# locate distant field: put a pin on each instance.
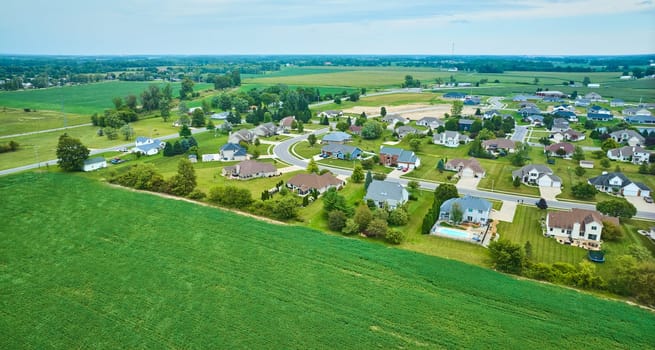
(80, 99)
(108, 268)
(16, 121)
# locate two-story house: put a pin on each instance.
(389, 193)
(391, 156)
(578, 225)
(450, 139)
(617, 183)
(537, 174)
(629, 137)
(474, 210)
(634, 154)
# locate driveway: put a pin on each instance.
(519, 133)
(549, 193)
(470, 183)
(506, 212)
(640, 203)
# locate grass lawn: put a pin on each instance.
(81, 99)
(152, 272)
(304, 150)
(17, 121)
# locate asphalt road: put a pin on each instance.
(519, 133)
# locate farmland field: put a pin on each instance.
(17, 121)
(86, 265)
(81, 99)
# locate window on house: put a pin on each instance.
(593, 228)
(592, 237)
(551, 229)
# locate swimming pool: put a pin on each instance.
(446, 231)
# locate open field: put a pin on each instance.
(17, 121)
(122, 269)
(81, 99)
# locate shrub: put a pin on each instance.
(394, 236)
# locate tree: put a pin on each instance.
(71, 153)
(142, 177)
(415, 144)
(118, 102)
(383, 111)
(130, 102)
(111, 133)
(371, 130)
(394, 236)
(358, 174)
(186, 89)
(337, 100)
(506, 256)
(578, 154)
(225, 102)
(230, 196)
(312, 167)
(609, 144)
(586, 81)
(165, 109)
(332, 200)
(369, 179)
(441, 166)
(456, 109)
(452, 124)
(363, 216)
(342, 126)
(536, 81)
(605, 163)
(611, 232)
(376, 228)
(210, 125)
(336, 220)
(127, 131)
(583, 191)
(183, 183)
(398, 217)
(456, 214)
(197, 118)
(579, 171)
(185, 131)
(516, 182)
(620, 208)
(168, 150)
(541, 204)
(311, 139)
(527, 248)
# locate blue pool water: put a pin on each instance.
(452, 232)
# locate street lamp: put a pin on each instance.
(492, 184)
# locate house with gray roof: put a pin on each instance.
(526, 111)
(560, 125)
(629, 137)
(497, 145)
(617, 102)
(393, 119)
(392, 156)
(92, 164)
(634, 154)
(450, 139)
(389, 193)
(618, 183)
(640, 119)
(242, 135)
(339, 151)
(430, 122)
(405, 130)
(474, 210)
(232, 151)
(465, 124)
(147, 146)
(250, 169)
(582, 102)
(265, 130)
(537, 175)
(465, 168)
(338, 137)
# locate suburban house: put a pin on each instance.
(465, 124)
(568, 115)
(265, 130)
(471, 100)
(536, 174)
(286, 123)
(92, 164)
(250, 169)
(563, 107)
(455, 95)
(581, 226)
(526, 111)
(331, 114)
(497, 145)
(599, 113)
(450, 139)
(393, 119)
(391, 156)
(560, 125)
(465, 168)
(634, 154)
(242, 135)
(305, 183)
(519, 98)
(618, 183)
(568, 135)
(405, 130)
(232, 151)
(430, 122)
(561, 149)
(550, 93)
(490, 114)
(339, 151)
(534, 120)
(593, 96)
(474, 210)
(617, 102)
(582, 102)
(640, 119)
(391, 194)
(632, 111)
(337, 137)
(147, 146)
(629, 137)
(355, 130)
(219, 116)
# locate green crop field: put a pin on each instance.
(80, 99)
(17, 121)
(86, 265)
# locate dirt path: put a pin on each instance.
(168, 196)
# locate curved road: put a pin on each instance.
(282, 152)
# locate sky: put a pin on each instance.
(432, 27)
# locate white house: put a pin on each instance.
(629, 137)
(635, 154)
(474, 210)
(578, 225)
(536, 174)
(94, 164)
(450, 139)
(233, 151)
(147, 146)
(465, 168)
(430, 122)
(618, 183)
(389, 193)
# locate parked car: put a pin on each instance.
(400, 167)
(648, 199)
(405, 169)
(116, 161)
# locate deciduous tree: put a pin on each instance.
(71, 153)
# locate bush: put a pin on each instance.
(197, 195)
(336, 220)
(394, 236)
(398, 217)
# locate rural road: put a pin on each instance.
(282, 152)
(44, 131)
(93, 151)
